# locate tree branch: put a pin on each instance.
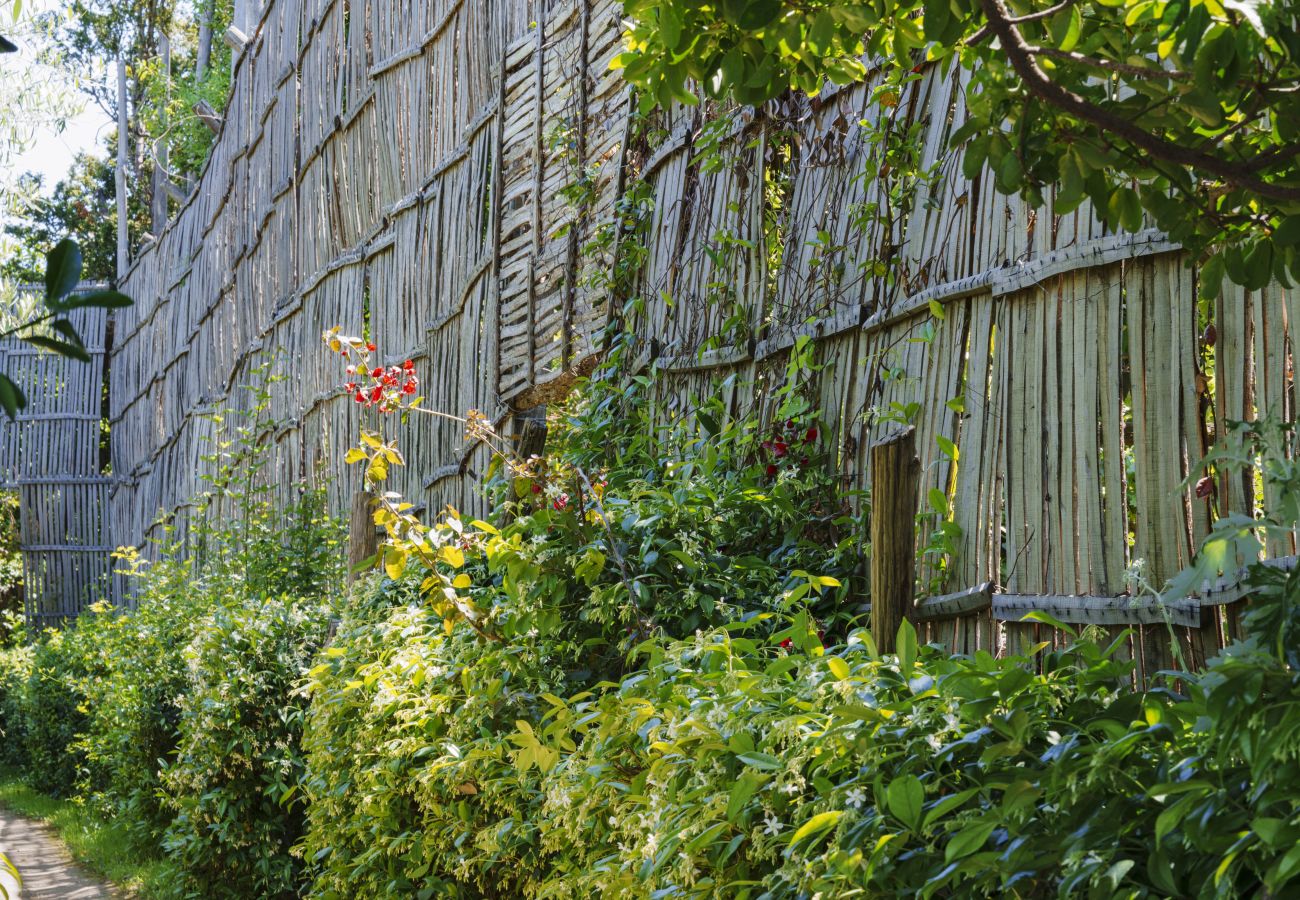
(1106, 65)
(1020, 55)
(1043, 14)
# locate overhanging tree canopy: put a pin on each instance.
(1187, 109)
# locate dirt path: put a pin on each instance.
(48, 871)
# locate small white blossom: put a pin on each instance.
(773, 824)
(856, 797)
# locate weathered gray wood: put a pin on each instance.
(895, 479)
(1097, 610)
(208, 116)
(951, 606)
(363, 541)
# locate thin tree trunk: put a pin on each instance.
(161, 173)
(120, 175)
(205, 42)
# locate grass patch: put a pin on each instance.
(103, 848)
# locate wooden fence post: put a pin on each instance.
(363, 542)
(895, 481)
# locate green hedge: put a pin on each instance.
(664, 696)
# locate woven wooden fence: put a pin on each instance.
(448, 173)
(51, 456)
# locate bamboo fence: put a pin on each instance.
(50, 454)
(448, 173)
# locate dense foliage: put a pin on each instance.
(727, 729)
(1160, 107)
(181, 719)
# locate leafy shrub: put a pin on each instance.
(15, 669)
(178, 719)
(748, 759)
(230, 786)
(134, 709)
(53, 709)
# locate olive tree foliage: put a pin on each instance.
(33, 97)
(1187, 110)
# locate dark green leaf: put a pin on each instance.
(62, 271)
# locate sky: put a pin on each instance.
(52, 152)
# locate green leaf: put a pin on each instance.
(758, 14)
(968, 840)
(946, 805)
(907, 648)
(98, 299)
(746, 786)
(759, 760)
(1284, 870)
(816, 825)
(904, 797)
(62, 271)
(1287, 233)
(63, 348)
(839, 668)
(12, 398)
(1047, 619)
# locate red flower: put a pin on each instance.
(561, 502)
(810, 435)
(789, 424)
(371, 347)
(359, 398)
(408, 366)
(779, 448)
(916, 70)
(537, 488)
(377, 394)
(785, 644)
(409, 387)
(376, 373)
(804, 462)
(771, 470)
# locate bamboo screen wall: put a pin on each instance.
(416, 162)
(51, 456)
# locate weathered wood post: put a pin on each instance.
(529, 435)
(363, 542)
(895, 481)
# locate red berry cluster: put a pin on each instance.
(781, 446)
(384, 387)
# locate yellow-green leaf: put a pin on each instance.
(452, 556)
(816, 825)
